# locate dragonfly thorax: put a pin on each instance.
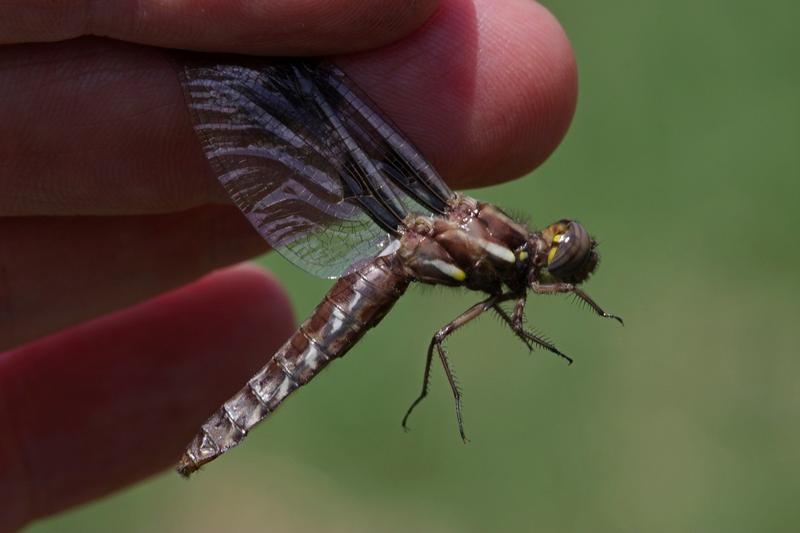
(479, 247)
(476, 245)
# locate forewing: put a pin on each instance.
(271, 150)
(415, 181)
(322, 177)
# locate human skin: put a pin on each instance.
(123, 322)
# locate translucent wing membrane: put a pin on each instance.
(322, 177)
(391, 153)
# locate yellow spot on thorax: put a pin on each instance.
(459, 275)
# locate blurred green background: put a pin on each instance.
(684, 159)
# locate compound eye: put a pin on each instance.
(572, 253)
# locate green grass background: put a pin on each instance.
(684, 160)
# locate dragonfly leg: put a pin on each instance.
(557, 288)
(437, 342)
(425, 384)
(515, 322)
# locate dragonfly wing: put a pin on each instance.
(271, 150)
(396, 157)
(322, 177)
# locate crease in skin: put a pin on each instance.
(304, 27)
(141, 256)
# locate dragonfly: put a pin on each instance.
(334, 187)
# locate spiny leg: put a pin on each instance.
(425, 384)
(519, 310)
(509, 321)
(530, 339)
(556, 288)
(453, 386)
(437, 340)
(596, 308)
(517, 325)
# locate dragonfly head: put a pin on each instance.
(571, 252)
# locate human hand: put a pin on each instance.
(107, 206)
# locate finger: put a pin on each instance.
(491, 96)
(68, 269)
(95, 127)
(107, 403)
(306, 27)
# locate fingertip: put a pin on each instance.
(250, 284)
(486, 89)
(111, 401)
(253, 293)
(538, 96)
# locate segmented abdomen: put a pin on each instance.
(354, 304)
